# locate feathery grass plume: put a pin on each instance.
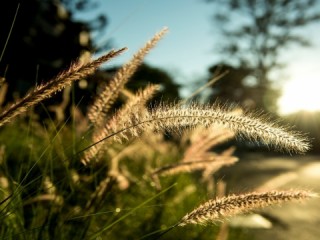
(138, 101)
(75, 72)
(181, 167)
(221, 208)
(174, 118)
(97, 112)
(220, 192)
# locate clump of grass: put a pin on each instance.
(89, 186)
(97, 112)
(138, 100)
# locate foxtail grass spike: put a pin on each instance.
(75, 72)
(102, 104)
(174, 118)
(219, 209)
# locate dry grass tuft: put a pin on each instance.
(211, 125)
(137, 101)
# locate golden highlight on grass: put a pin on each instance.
(75, 72)
(138, 101)
(203, 140)
(222, 208)
(174, 118)
(181, 167)
(97, 112)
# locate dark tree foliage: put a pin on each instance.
(96, 23)
(44, 40)
(231, 82)
(147, 74)
(239, 86)
(255, 34)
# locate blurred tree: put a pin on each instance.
(96, 23)
(238, 86)
(147, 74)
(45, 38)
(255, 32)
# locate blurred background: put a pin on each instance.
(269, 48)
(267, 54)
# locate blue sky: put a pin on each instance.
(188, 49)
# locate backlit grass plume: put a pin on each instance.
(75, 72)
(97, 112)
(137, 101)
(176, 117)
(222, 208)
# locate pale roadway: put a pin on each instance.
(298, 220)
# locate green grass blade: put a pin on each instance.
(130, 212)
(10, 31)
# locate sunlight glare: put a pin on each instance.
(302, 92)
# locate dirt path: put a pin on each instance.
(290, 221)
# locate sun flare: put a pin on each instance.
(302, 92)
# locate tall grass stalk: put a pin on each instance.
(173, 118)
(94, 236)
(97, 112)
(222, 208)
(75, 72)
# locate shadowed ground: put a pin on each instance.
(292, 220)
